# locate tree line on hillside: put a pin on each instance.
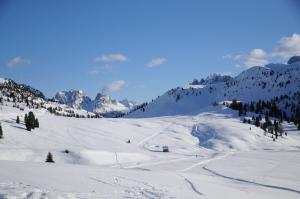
(268, 109)
(283, 107)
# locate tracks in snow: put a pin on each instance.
(191, 185)
(251, 182)
(215, 156)
(145, 140)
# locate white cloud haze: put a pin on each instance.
(17, 61)
(286, 48)
(257, 57)
(111, 58)
(101, 70)
(114, 86)
(156, 62)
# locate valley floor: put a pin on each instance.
(212, 155)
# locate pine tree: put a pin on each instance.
(264, 126)
(31, 119)
(27, 123)
(257, 122)
(1, 132)
(18, 120)
(49, 158)
(240, 112)
(25, 118)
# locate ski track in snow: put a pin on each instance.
(145, 140)
(191, 185)
(215, 156)
(251, 182)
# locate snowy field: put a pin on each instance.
(212, 155)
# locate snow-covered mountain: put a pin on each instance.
(253, 84)
(105, 104)
(22, 96)
(74, 98)
(21, 92)
(70, 102)
(102, 104)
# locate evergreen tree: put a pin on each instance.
(49, 158)
(31, 119)
(257, 122)
(1, 132)
(18, 120)
(27, 123)
(251, 107)
(240, 112)
(276, 127)
(264, 126)
(25, 118)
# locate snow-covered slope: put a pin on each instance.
(207, 151)
(256, 83)
(102, 104)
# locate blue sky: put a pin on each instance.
(138, 49)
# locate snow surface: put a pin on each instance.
(212, 155)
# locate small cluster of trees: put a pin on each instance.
(139, 107)
(260, 107)
(30, 121)
(58, 111)
(275, 128)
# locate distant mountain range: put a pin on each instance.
(102, 104)
(75, 99)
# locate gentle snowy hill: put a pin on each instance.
(256, 83)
